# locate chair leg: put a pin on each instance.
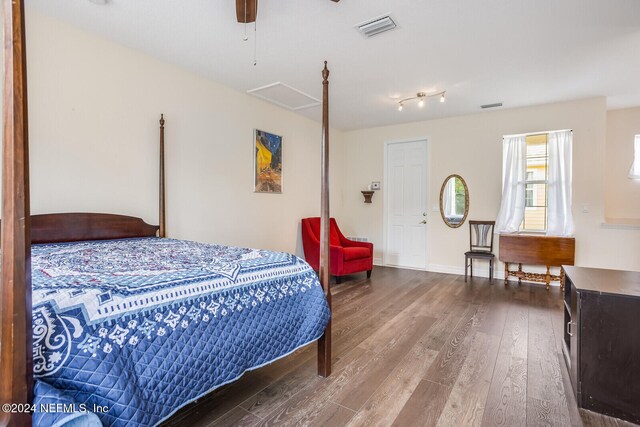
(369, 274)
(490, 270)
(471, 265)
(466, 265)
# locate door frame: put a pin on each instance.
(385, 198)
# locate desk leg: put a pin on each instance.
(506, 273)
(519, 274)
(547, 279)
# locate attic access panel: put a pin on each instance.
(285, 96)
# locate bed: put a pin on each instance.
(105, 320)
(144, 326)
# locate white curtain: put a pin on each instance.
(559, 216)
(634, 172)
(513, 198)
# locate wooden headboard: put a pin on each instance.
(77, 226)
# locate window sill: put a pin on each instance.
(621, 224)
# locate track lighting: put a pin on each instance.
(420, 96)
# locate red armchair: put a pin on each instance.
(346, 256)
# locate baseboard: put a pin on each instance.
(447, 269)
(454, 269)
(498, 273)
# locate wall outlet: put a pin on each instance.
(585, 208)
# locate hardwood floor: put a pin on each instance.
(415, 348)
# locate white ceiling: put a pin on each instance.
(519, 52)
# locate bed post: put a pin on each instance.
(163, 225)
(16, 356)
(324, 343)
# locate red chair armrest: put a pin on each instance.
(336, 257)
(336, 250)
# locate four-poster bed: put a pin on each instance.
(111, 297)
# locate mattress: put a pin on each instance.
(126, 332)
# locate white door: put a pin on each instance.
(406, 210)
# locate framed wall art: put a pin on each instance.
(267, 162)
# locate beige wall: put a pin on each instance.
(622, 193)
(93, 119)
(472, 147)
(94, 108)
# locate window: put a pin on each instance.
(536, 182)
(529, 191)
(634, 173)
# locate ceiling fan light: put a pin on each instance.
(442, 98)
(400, 107)
(421, 103)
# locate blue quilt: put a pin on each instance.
(131, 330)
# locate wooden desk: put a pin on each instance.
(531, 249)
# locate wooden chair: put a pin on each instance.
(480, 245)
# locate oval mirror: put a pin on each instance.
(454, 201)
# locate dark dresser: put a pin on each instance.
(602, 339)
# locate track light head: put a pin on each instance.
(420, 96)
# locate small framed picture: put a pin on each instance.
(375, 185)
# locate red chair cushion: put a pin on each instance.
(351, 253)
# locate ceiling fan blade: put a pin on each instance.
(335, 1)
(249, 14)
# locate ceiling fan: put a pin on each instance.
(247, 10)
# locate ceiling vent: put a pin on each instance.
(285, 96)
(376, 26)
